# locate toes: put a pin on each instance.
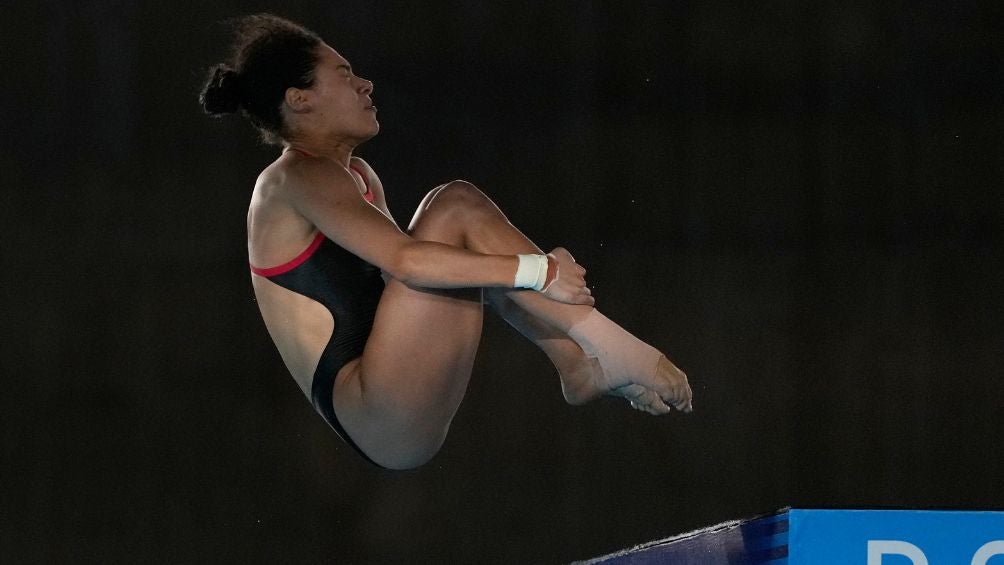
(645, 400)
(677, 397)
(660, 407)
(682, 400)
(674, 387)
(684, 405)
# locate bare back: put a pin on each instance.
(299, 326)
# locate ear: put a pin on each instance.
(297, 99)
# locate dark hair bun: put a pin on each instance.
(221, 95)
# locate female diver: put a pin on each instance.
(379, 326)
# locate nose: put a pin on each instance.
(367, 87)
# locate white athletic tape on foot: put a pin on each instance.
(622, 356)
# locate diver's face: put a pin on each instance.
(340, 99)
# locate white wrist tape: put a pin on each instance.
(532, 272)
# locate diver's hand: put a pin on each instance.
(566, 279)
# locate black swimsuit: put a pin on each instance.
(350, 289)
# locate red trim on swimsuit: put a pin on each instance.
(294, 263)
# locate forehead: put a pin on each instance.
(330, 57)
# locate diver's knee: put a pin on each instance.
(451, 206)
(460, 195)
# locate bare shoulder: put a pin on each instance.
(362, 165)
(371, 178)
(275, 179)
(292, 173)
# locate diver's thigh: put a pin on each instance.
(414, 371)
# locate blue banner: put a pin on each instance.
(895, 537)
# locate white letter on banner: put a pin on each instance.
(878, 548)
(987, 551)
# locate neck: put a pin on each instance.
(339, 150)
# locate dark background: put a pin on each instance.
(799, 202)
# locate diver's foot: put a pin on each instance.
(656, 394)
